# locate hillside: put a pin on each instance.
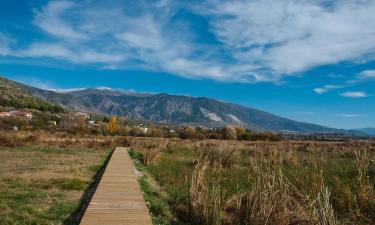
(173, 109)
(368, 130)
(13, 95)
(170, 109)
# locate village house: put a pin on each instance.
(57, 115)
(144, 129)
(84, 115)
(52, 122)
(4, 114)
(27, 115)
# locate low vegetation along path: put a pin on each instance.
(118, 199)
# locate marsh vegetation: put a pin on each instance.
(231, 182)
(194, 181)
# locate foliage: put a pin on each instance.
(112, 125)
(230, 133)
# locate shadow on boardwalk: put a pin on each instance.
(76, 216)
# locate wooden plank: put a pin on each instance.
(117, 199)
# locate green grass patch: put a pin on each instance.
(73, 184)
(156, 200)
(45, 185)
(30, 202)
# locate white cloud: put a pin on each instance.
(350, 115)
(259, 40)
(59, 51)
(320, 90)
(367, 74)
(354, 94)
(147, 35)
(46, 50)
(5, 42)
(50, 20)
(288, 37)
(326, 88)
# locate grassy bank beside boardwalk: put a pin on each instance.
(194, 181)
(40, 185)
(262, 182)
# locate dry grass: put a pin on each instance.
(44, 185)
(236, 182)
(283, 183)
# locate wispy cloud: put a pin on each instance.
(288, 37)
(326, 88)
(259, 40)
(5, 42)
(367, 74)
(350, 115)
(59, 51)
(50, 19)
(354, 94)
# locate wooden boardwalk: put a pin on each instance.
(117, 199)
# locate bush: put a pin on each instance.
(230, 133)
(5, 141)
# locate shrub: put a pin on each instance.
(230, 133)
(6, 141)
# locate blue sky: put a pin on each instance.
(312, 61)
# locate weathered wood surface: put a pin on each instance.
(117, 199)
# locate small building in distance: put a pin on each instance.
(26, 115)
(83, 114)
(52, 122)
(4, 114)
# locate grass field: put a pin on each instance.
(46, 185)
(209, 182)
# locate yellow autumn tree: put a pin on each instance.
(112, 125)
(230, 132)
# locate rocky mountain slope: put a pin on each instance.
(14, 95)
(172, 109)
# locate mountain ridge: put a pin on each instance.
(173, 109)
(366, 130)
(12, 95)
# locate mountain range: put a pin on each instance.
(170, 109)
(370, 131)
(13, 94)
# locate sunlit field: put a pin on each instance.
(193, 181)
(223, 182)
(40, 185)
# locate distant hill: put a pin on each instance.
(172, 109)
(13, 95)
(368, 130)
